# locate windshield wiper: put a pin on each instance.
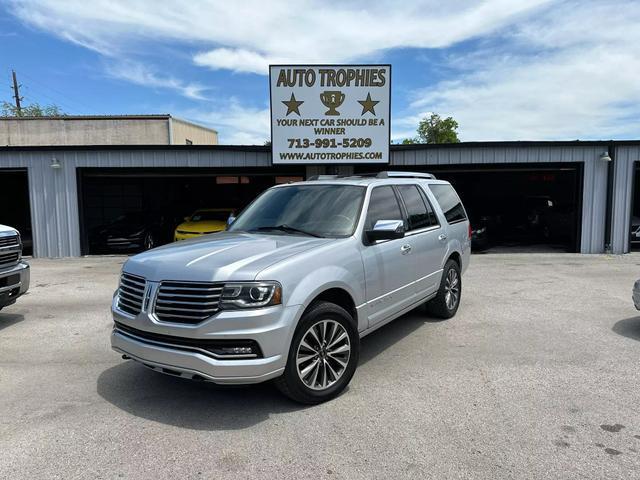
(286, 228)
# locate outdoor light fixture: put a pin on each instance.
(604, 156)
(55, 163)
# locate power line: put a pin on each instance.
(77, 103)
(35, 94)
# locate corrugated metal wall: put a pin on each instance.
(622, 200)
(54, 196)
(594, 197)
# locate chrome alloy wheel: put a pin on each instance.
(452, 289)
(323, 354)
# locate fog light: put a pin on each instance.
(236, 350)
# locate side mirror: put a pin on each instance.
(187, 219)
(386, 230)
(230, 220)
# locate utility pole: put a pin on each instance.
(16, 93)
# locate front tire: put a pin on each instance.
(446, 302)
(323, 355)
(149, 241)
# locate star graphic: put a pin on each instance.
(293, 105)
(368, 104)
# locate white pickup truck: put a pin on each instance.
(14, 272)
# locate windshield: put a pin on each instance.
(204, 215)
(323, 210)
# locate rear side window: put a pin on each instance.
(449, 202)
(419, 212)
(383, 205)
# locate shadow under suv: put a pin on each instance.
(297, 279)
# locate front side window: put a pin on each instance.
(419, 213)
(319, 210)
(449, 202)
(383, 205)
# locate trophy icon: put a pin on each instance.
(332, 99)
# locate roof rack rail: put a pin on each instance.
(323, 177)
(385, 174)
(390, 174)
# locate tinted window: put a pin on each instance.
(325, 210)
(419, 214)
(449, 202)
(383, 205)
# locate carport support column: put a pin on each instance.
(622, 199)
(53, 194)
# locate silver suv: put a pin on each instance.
(302, 274)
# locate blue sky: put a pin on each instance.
(505, 69)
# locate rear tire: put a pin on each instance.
(323, 355)
(446, 302)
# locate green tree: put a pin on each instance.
(33, 110)
(434, 129)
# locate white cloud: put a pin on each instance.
(246, 36)
(546, 69)
(236, 59)
(237, 124)
(140, 74)
(563, 75)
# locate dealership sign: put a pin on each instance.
(330, 113)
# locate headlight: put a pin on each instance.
(250, 295)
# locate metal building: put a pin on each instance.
(66, 189)
(103, 130)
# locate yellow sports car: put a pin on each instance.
(206, 220)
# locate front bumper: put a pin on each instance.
(123, 243)
(271, 328)
(14, 282)
(186, 235)
(636, 294)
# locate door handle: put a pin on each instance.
(405, 249)
(442, 237)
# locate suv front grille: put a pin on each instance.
(9, 241)
(187, 302)
(9, 257)
(131, 294)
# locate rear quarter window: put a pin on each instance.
(449, 202)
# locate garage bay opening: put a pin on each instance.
(516, 208)
(16, 209)
(129, 210)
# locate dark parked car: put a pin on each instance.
(635, 231)
(132, 232)
(549, 220)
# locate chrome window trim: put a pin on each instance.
(422, 230)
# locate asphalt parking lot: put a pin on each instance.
(537, 377)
